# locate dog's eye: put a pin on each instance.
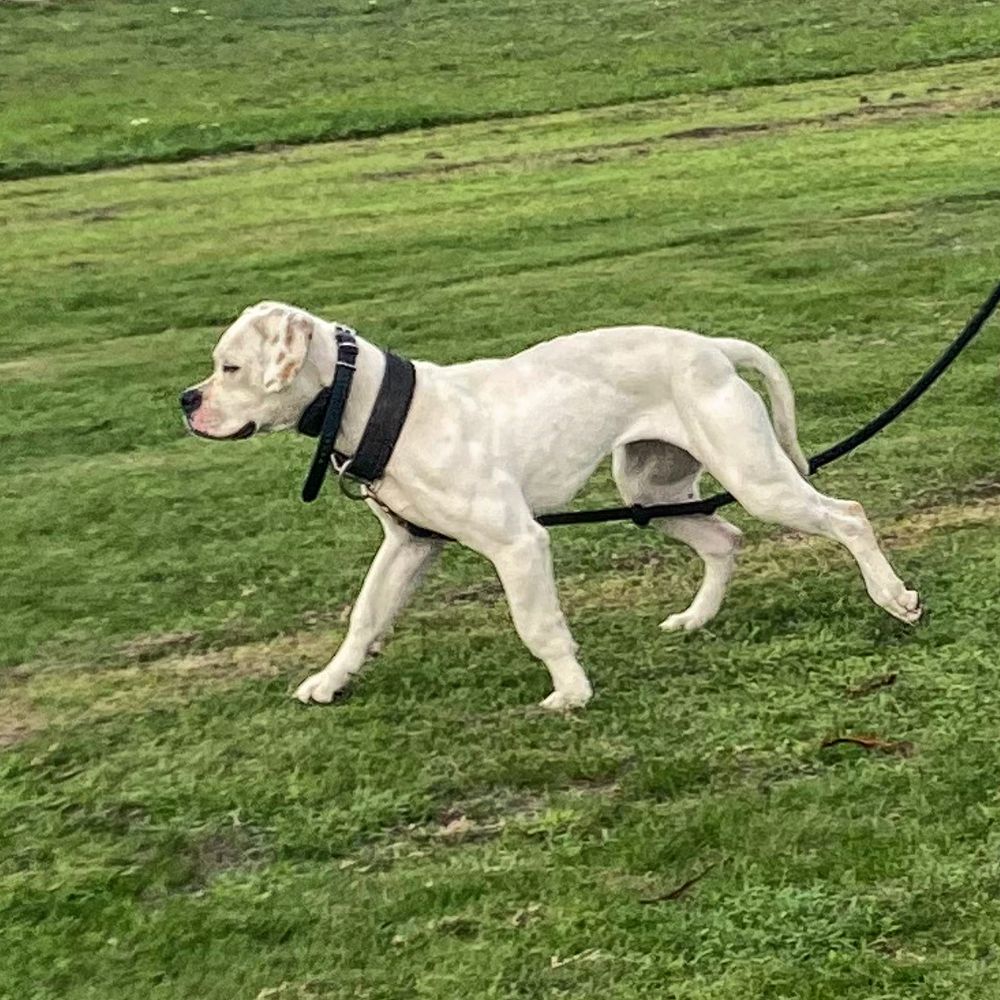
(229, 369)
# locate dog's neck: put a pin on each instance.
(367, 380)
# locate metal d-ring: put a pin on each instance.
(342, 471)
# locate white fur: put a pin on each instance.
(489, 444)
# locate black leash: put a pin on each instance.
(929, 377)
(323, 416)
(330, 404)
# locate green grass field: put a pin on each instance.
(819, 178)
(126, 80)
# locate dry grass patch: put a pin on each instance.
(19, 718)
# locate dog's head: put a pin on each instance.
(262, 378)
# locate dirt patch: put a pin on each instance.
(234, 663)
(866, 110)
(213, 854)
(154, 646)
(105, 213)
(972, 197)
(469, 821)
(602, 786)
(643, 559)
(18, 721)
(200, 167)
(486, 591)
(478, 819)
(163, 676)
(333, 616)
(887, 216)
(404, 173)
(30, 192)
(588, 158)
(913, 529)
(461, 823)
(713, 131)
(14, 732)
(979, 489)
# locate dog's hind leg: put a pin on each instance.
(728, 428)
(394, 574)
(652, 472)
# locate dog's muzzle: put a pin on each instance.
(191, 400)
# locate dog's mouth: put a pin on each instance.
(246, 431)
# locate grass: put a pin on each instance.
(174, 826)
(140, 81)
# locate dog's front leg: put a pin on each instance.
(398, 567)
(524, 565)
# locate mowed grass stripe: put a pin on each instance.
(120, 82)
(418, 226)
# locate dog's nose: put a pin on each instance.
(190, 401)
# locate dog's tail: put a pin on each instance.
(742, 352)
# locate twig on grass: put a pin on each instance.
(871, 685)
(901, 748)
(680, 890)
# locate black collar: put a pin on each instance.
(323, 416)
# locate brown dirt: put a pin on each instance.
(215, 853)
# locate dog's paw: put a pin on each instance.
(320, 688)
(563, 701)
(683, 621)
(904, 605)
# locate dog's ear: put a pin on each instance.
(286, 342)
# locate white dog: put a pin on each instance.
(489, 444)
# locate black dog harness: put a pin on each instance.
(323, 416)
